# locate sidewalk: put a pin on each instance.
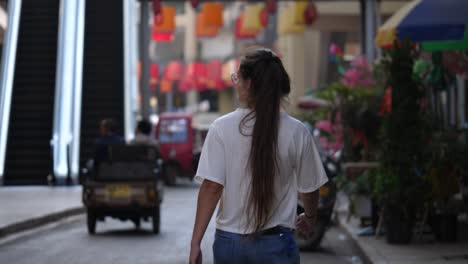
(23, 208)
(378, 251)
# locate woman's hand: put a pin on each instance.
(195, 255)
(305, 225)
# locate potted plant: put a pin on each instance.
(399, 180)
(444, 171)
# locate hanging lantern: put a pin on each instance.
(310, 14)
(252, 17)
(156, 7)
(215, 80)
(287, 21)
(165, 22)
(194, 3)
(299, 12)
(241, 33)
(271, 6)
(162, 36)
(154, 74)
(173, 71)
(195, 76)
(213, 14)
(203, 31)
(184, 85)
(264, 17)
(201, 76)
(165, 86)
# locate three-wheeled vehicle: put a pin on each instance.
(180, 137)
(174, 135)
(125, 186)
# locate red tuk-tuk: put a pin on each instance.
(181, 137)
(175, 136)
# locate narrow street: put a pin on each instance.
(120, 242)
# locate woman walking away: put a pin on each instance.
(255, 161)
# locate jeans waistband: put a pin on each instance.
(270, 231)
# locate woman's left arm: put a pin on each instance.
(208, 197)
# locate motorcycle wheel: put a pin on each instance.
(314, 241)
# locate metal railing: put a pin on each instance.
(7, 73)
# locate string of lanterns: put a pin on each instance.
(252, 20)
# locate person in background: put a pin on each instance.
(107, 136)
(255, 161)
(143, 134)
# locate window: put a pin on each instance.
(173, 131)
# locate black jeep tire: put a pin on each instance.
(91, 221)
(156, 217)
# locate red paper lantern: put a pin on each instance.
(173, 71)
(194, 3)
(184, 85)
(163, 36)
(156, 7)
(310, 14)
(154, 74)
(264, 17)
(215, 80)
(201, 76)
(271, 6)
(195, 76)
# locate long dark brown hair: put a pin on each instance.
(269, 83)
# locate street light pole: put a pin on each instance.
(144, 59)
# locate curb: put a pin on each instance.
(361, 247)
(39, 221)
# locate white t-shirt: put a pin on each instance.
(224, 160)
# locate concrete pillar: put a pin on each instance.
(292, 48)
(190, 48)
(144, 57)
(461, 99)
(316, 58)
(370, 15)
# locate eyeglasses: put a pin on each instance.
(234, 78)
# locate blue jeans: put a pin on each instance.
(275, 249)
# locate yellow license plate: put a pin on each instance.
(324, 191)
(118, 191)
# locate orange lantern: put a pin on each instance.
(213, 14)
(166, 20)
(202, 30)
(165, 86)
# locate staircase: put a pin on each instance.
(103, 71)
(28, 154)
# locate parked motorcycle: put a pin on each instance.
(331, 163)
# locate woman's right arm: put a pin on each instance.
(306, 221)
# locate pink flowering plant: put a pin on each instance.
(354, 97)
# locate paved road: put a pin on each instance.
(120, 242)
